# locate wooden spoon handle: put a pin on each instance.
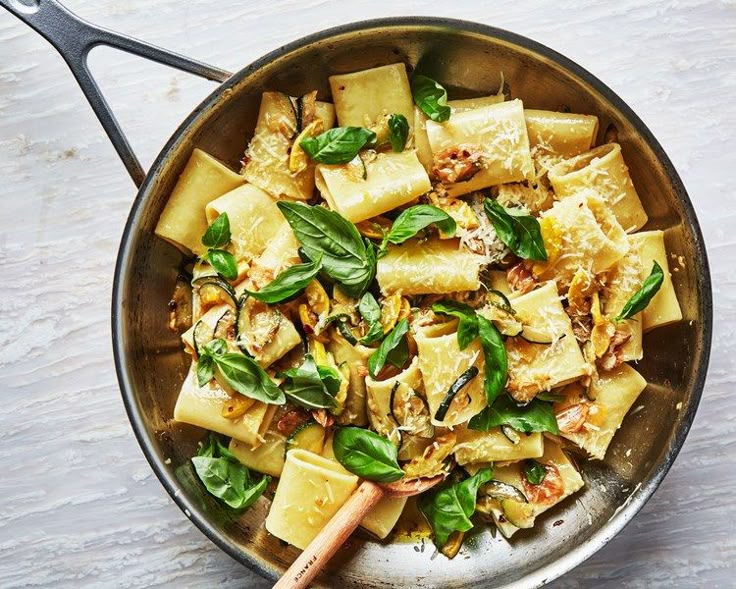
(320, 550)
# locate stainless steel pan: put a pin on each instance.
(467, 57)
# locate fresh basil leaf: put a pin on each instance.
(218, 233)
(288, 283)
(304, 386)
(247, 377)
(393, 341)
(338, 145)
(412, 220)
(467, 328)
(496, 362)
(326, 235)
(537, 416)
(398, 132)
(331, 378)
(205, 369)
(370, 311)
(520, 232)
(431, 98)
(225, 477)
(216, 347)
(366, 454)
(449, 508)
(224, 262)
(642, 297)
(534, 472)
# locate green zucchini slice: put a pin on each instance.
(309, 436)
(455, 388)
(214, 290)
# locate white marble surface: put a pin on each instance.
(79, 506)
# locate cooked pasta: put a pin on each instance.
(431, 288)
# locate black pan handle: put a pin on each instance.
(73, 38)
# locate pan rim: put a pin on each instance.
(634, 503)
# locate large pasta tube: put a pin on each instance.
(602, 169)
(311, 490)
(427, 267)
(202, 406)
(614, 393)
(183, 221)
(254, 219)
(492, 446)
(380, 395)
(362, 97)
(498, 133)
(536, 367)
(558, 133)
(267, 156)
(267, 457)
(441, 362)
(368, 187)
(663, 309)
(579, 232)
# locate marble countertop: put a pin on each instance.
(80, 507)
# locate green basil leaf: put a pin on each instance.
(412, 220)
(247, 377)
(205, 369)
(449, 508)
(224, 262)
(520, 232)
(537, 416)
(304, 386)
(431, 98)
(370, 311)
(209, 447)
(326, 235)
(217, 234)
(534, 472)
(366, 454)
(398, 132)
(338, 145)
(288, 283)
(467, 328)
(642, 297)
(216, 347)
(331, 378)
(393, 341)
(496, 362)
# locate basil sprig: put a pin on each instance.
(238, 371)
(371, 313)
(534, 472)
(326, 235)
(225, 477)
(394, 350)
(367, 454)
(288, 283)
(215, 238)
(338, 145)
(519, 231)
(642, 297)
(449, 508)
(311, 386)
(412, 220)
(431, 98)
(470, 326)
(398, 132)
(537, 416)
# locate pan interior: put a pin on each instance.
(469, 60)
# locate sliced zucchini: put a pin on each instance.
(214, 290)
(500, 491)
(455, 388)
(517, 513)
(256, 325)
(410, 411)
(412, 446)
(511, 434)
(535, 335)
(500, 301)
(180, 305)
(204, 333)
(453, 544)
(225, 326)
(308, 436)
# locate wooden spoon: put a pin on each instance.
(320, 550)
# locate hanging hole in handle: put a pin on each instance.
(26, 6)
